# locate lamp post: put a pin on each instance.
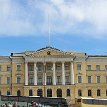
(44, 76)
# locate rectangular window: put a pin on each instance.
(66, 79)
(18, 79)
(105, 67)
(8, 68)
(106, 79)
(0, 80)
(58, 79)
(18, 67)
(67, 67)
(8, 80)
(31, 81)
(98, 79)
(31, 67)
(58, 67)
(40, 80)
(49, 67)
(97, 67)
(98, 92)
(78, 66)
(49, 80)
(88, 67)
(79, 79)
(0, 68)
(39, 67)
(89, 79)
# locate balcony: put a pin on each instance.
(49, 83)
(59, 83)
(39, 83)
(67, 83)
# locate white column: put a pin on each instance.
(72, 73)
(54, 74)
(35, 74)
(63, 74)
(26, 73)
(44, 75)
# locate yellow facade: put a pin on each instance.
(74, 73)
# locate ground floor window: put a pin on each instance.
(59, 93)
(98, 92)
(30, 93)
(79, 92)
(106, 92)
(39, 93)
(68, 92)
(89, 93)
(18, 93)
(8, 92)
(49, 92)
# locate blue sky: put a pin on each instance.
(76, 25)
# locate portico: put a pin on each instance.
(53, 71)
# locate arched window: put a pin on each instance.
(18, 93)
(49, 92)
(8, 92)
(79, 92)
(40, 93)
(59, 93)
(68, 92)
(30, 93)
(89, 93)
(98, 92)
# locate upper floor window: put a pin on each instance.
(39, 67)
(0, 80)
(67, 66)
(49, 80)
(31, 80)
(8, 80)
(79, 79)
(106, 79)
(49, 67)
(58, 79)
(98, 79)
(18, 79)
(66, 79)
(0, 68)
(88, 67)
(78, 66)
(31, 67)
(105, 67)
(58, 67)
(89, 79)
(8, 68)
(97, 67)
(18, 67)
(39, 80)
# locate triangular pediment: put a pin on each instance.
(48, 51)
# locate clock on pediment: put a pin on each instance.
(48, 53)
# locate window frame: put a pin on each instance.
(18, 68)
(90, 79)
(79, 79)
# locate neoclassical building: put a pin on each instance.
(50, 72)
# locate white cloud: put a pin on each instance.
(84, 17)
